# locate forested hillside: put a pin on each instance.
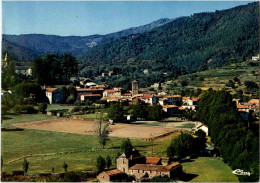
(188, 43)
(27, 47)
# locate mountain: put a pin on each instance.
(188, 43)
(35, 45)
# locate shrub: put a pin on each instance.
(101, 163)
(72, 177)
(42, 107)
(28, 109)
(76, 109)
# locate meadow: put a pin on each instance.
(46, 150)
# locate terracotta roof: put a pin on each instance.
(147, 96)
(241, 110)
(91, 95)
(112, 172)
(111, 91)
(194, 98)
(172, 96)
(152, 159)
(89, 89)
(111, 98)
(242, 107)
(235, 99)
(173, 165)
(170, 106)
(254, 101)
(185, 98)
(181, 108)
(3, 91)
(149, 167)
(50, 89)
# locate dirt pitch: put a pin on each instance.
(87, 127)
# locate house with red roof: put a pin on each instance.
(54, 95)
(132, 163)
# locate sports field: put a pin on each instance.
(88, 128)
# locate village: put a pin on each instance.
(132, 163)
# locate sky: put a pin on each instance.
(83, 18)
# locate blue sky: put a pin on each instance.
(88, 18)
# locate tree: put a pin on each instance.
(101, 163)
(181, 145)
(139, 110)
(155, 112)
(65, 166)
(25, 166)
(104, 136)
(126, 146)
(69, 66)
(42, 107)
(115, 112)
(108, 161)
(200, 140)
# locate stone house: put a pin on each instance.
(173, 99)
(90, 97)
(24, 70)
(171, 109)
(149, 99)
(137, 166)
(82, 91)
(114, 175)
(54, 95)
(112, 93)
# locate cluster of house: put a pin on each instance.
(249, 109)
(137, 166)
(170, 103)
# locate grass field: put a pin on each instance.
(209, 170)
(46, 150)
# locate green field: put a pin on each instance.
(46, 150)
(206, 169)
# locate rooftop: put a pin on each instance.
(113, 172)
(154, 160)
(111, 91)
(50, 89)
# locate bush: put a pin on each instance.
(72, 177)
(101, 163)
(42, 107)
(71, 99)
(28, 109)
(76, 109)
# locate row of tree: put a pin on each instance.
(141, 110)
(238, 143)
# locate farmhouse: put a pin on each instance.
(134, 164)
(82, 91)
(24, 70)
(54, 95)
(171, 109)
(112, 93)
(90, 97)
(149, 99)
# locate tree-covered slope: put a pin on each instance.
(189, 42)
(76, 45)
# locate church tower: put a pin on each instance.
(134, 87)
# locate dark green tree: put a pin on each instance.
(108, 161)
(155, 112)
(139, 110)
(115, 112)
(126, 146)
(42, 107)
(25, 166)
(65, 166)
(69, 66)
(101, 163)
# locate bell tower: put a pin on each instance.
(134, 87)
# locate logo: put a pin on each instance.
(240, 172)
